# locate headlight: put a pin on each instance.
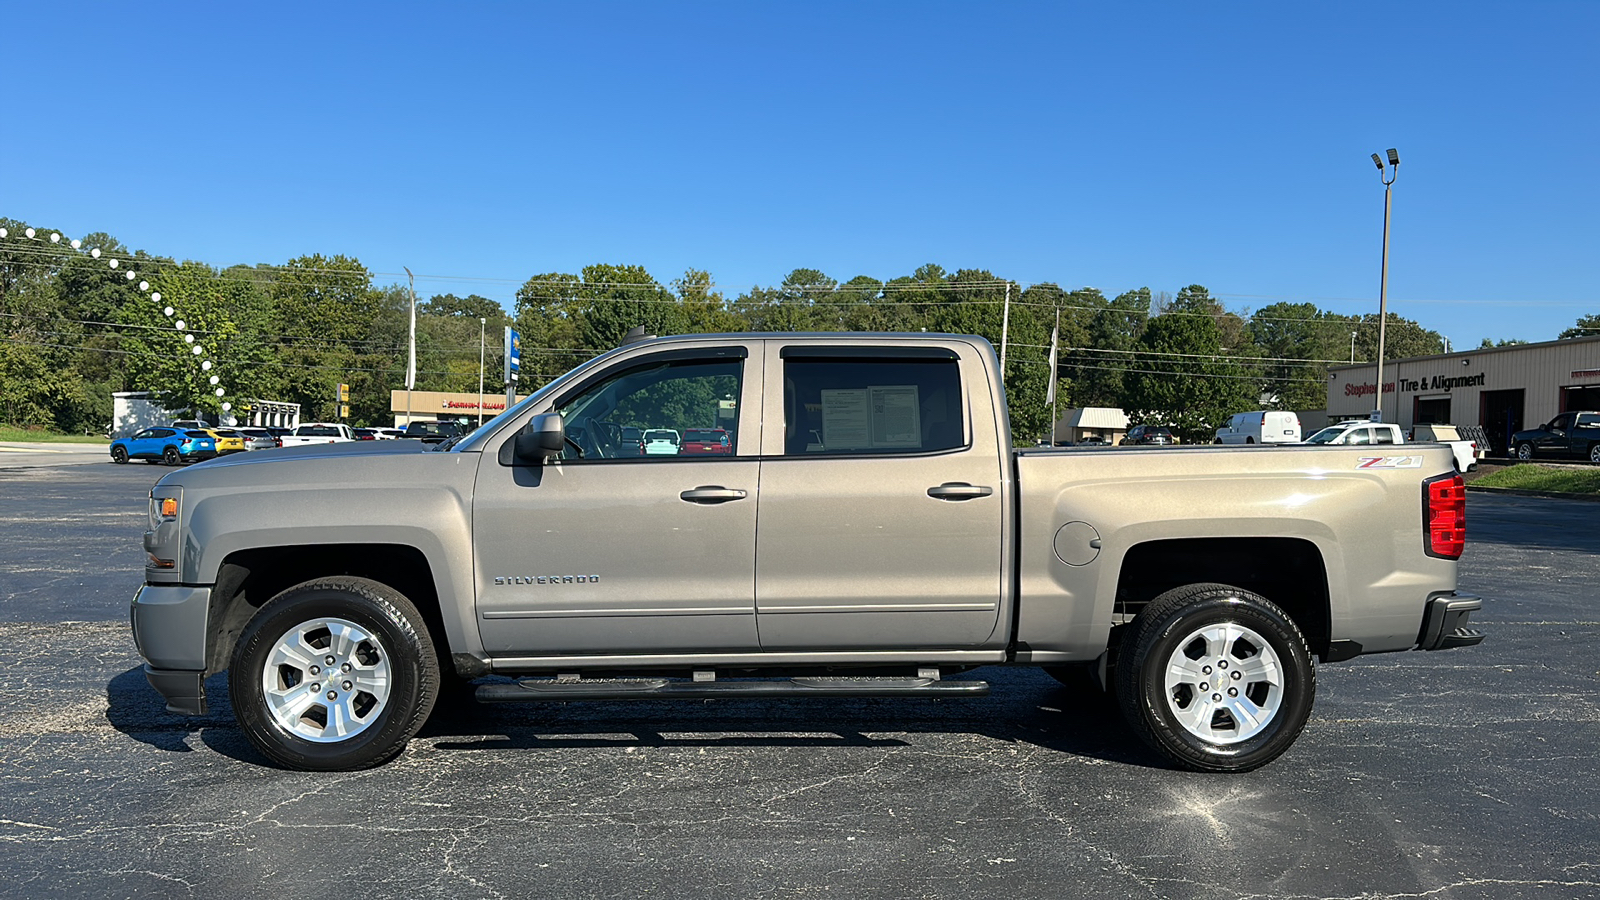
(160, 542)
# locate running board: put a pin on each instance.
(665, 689)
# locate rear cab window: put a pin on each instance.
(841, 403)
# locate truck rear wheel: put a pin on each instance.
(1215, 678)
(335, 674)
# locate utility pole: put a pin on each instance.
(1005, 328)
(411, 359)
(483, 324)
(1388, 177)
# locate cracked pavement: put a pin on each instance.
(1464, 774)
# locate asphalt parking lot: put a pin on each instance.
(1464, 774)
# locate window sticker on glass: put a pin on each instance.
(895, 416)
(875, 417)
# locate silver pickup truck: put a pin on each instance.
(871, 533)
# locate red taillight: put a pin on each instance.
(1444, 516)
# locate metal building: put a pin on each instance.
(1504, 389)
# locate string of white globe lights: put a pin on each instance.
(168, 310)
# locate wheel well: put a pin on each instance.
(249, 578)
(1287, 571)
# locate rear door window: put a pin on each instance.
(872, 406)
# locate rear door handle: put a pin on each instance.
(959, 490)
(712, 494)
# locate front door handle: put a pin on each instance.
(959, 490)
(713, 494)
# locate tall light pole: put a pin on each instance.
(411, 358)
(482, 332)
(1388, 176)
(1352, 346)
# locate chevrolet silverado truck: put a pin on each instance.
(871, 533)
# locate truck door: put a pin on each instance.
(881, 505)
(607, 550)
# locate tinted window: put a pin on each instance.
(1588, 420)
(1382, 436)
(196, 434)
(857, 406)
(661, 400)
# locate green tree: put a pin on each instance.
(1586, 326)
(1180, 376)
(1099, 365)
(704, 307)
(616, 299)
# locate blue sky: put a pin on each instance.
(1112, 145)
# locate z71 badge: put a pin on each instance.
(1389, 462)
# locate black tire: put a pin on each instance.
(119, 455)
(1594, 453)
(170, 456)
(1171, 625)
(396, 637)
(1524, 451)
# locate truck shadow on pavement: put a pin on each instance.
(1026, 707)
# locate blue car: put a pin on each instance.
(172, 446)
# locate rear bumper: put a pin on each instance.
(1444, 625)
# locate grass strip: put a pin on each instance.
(41, 436)
(1534, 477)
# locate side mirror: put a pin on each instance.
(543, 436)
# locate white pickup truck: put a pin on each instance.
(1356, 432)
(319, 433)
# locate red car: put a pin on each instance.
(706, 442)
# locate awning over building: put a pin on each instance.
(1103, 417)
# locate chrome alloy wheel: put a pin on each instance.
(1224, 683)
(326, 680)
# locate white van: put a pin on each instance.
(1264, 426)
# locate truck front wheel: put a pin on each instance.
(1215, 678)
(335, 674)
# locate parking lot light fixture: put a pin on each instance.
(1387, 176)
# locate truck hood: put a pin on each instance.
(312, 461)
(341, 449)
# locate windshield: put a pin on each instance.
(1326, 435)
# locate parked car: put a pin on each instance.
(366, 434)
(1264, 426)
(661, 442)
(706, 442)
(1467, 452)
(433, 432)
(389, 434)
(1358, 431)
(1149, 434)
(631, 443)
(228, 440)
(257, 438)
(1571, 434)
(166, 445)
(190, 424)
